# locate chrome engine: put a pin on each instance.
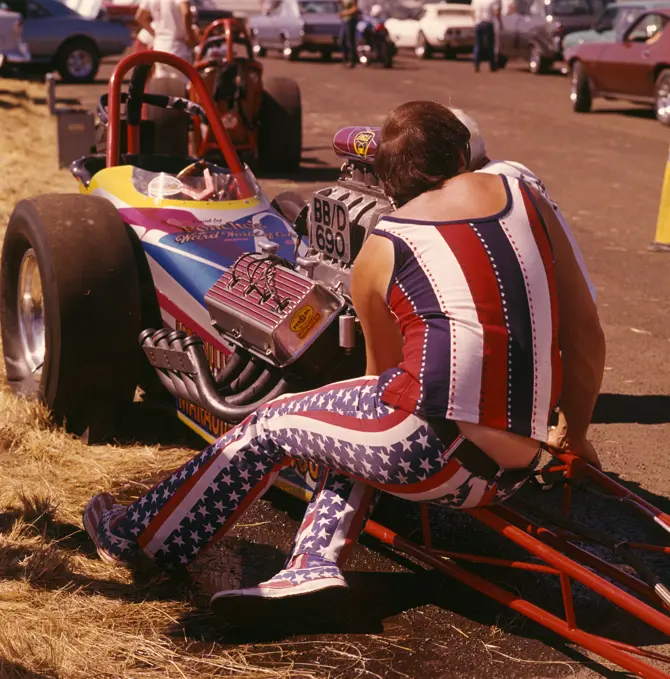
(266, 307)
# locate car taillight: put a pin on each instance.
(380, 28)
(18, 28)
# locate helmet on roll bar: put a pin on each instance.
(477, 143)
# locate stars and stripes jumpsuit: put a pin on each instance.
(476, 304)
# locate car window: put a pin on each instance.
(605, 22)
(648, 29)
(454, 13)
(274, 8)
(568, 7)
(318, 7)
(625, 18)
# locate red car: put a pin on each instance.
(636, 67)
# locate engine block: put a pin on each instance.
(271, 310)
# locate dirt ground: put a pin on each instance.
(604, 169)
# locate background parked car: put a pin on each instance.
(206, 10)
(614, 21)
(437, 27)
(636, 67)
(296, 26)
(12, 48)
(59, 38)
(535, 31)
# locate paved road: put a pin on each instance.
(605, 170)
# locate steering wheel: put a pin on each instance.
(160, 100)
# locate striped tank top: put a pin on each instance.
(477, 308)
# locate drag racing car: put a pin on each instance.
(178, 274)
(262, 116)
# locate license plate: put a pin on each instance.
(330, 231)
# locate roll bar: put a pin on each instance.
(143, 62)
(228, 26)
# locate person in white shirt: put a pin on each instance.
(169, 22)
(486, 14)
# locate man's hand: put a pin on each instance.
(559, 439)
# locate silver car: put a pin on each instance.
(534, 29)
(296, 26)
(12, 48)
(59, 38)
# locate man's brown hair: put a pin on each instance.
(422, 144)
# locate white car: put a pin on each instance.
(443, 27)
(12, 48)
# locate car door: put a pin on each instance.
(41, 30)
(514, 19)
(267, 26)
(627, 66)
(8, 35)
(403, 32)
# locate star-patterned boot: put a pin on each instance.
(99, 517)
(306, 574)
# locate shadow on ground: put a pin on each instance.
(629, 408)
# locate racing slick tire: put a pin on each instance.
(170, 127)
(423, 50)
(77, 61)
(387, 55)
(580, 89)
(537, 64)
(70, 310)
(280, 133)
(662, 97)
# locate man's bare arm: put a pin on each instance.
(346, 13)
(369, 281)
(581, 336)
(191, 37)
(143, 19)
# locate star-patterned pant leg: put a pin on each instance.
(343, 427)
(334, 519)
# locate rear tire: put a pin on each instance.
(280, 134)
(170, 127)
(70, 310)
(77, 61)
(580, 89)
(423, 50)
(537, 64)
(662, 97)
(387, 55)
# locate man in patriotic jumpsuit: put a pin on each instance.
(461, 294)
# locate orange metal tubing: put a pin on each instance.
(493, 561)
(590, 560)
(603, 647)
(575, 570)
(151, 57)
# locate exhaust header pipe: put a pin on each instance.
(245, 384)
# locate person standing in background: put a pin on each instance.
(349, 15)
(486, 14)
(170, 23)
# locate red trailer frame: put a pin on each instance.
(557, 548)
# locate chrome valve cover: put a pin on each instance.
(271, 310)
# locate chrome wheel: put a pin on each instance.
(79, 63)
(662, 105)
(31, 312)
